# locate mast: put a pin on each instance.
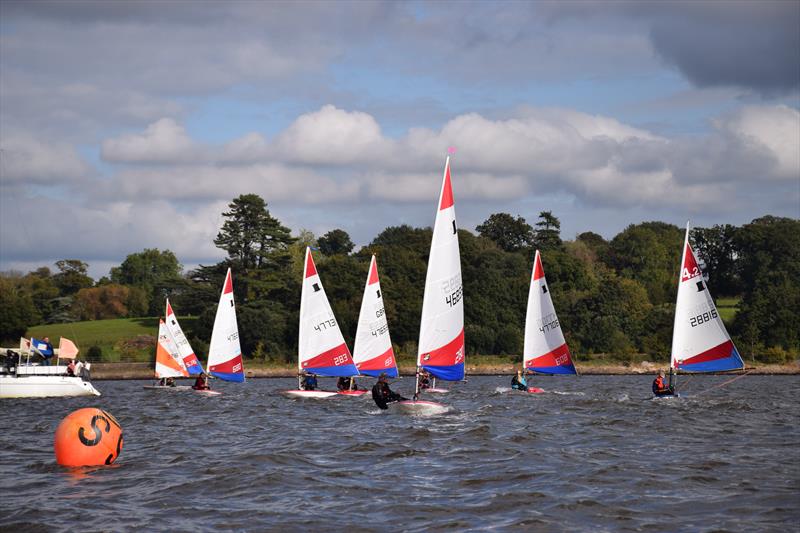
(673, 367)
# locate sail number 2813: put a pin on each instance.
(703, 318)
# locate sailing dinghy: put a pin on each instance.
(224, 351)
(321, 347)
(190, 360)
(169, 363)
(700, 342)
(545, 350)
(372, 351)
(441, 330)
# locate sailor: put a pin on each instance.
(382, 394)
(518, 382)
(201, 383)
(343, 383)
(309, 381)
(424, 380)
(71, 368)
(659, 387)
(45, 349)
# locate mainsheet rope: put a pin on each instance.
(723, 383)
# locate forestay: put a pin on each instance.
(190, 360)
(372, 352)
(224, 352)
(700, 342)
(441, 334)
(545, 349)
(321, 346)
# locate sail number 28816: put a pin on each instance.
(703, 318)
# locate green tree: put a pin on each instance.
(769, 268)
(509, 233)
(17, 310)
(548, 231)
(72, 276)
(335, 242)
(716, 248)
(157, 273)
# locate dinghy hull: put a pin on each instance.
(314, 394)
(419, 407)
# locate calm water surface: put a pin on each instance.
(593, 453)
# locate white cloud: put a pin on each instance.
(162, 141)
(25, 159)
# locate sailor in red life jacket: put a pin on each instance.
(659, 387)
(201, 383)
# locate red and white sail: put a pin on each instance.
(190, 360)
(321, 346)
(372, 352)
(169, 363)
(225, 352)
(441, 333)
(700, 342)
(545, 349)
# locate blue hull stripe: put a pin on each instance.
(447, 373)
(732, 362)
(225, 376)
(391, 372)
(565, 369)
(333, 371)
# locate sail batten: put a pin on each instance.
(441, 337)
(700, 342)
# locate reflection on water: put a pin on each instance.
(591, 451)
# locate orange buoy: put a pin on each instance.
(88, 437)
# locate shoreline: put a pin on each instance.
(115, 371)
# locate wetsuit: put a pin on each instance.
(383, 395)
(519, 384)
(309, 383)
(424, 383)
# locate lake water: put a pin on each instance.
(595, 452)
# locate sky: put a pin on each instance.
(131, 125)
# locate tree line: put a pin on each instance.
(613, 297)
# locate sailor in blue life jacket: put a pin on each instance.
(659, 387)
(309, 382)
(518, 382)
(382, 394)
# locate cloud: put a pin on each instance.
(162, 141)
(31, 161)
(713, 43)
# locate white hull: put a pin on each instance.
(34, 386)
(163, 387)
(317, 394)
(435, 390)
(419, 407)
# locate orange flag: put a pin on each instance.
(67, 349)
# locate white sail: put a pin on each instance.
(321, 346)
(372, 351)
(545, 349)
(190, 360)
(700, 342)
(169, 363)
(225, 352)
(441, 335)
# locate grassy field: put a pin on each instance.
(727, 308)
(121, 339)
